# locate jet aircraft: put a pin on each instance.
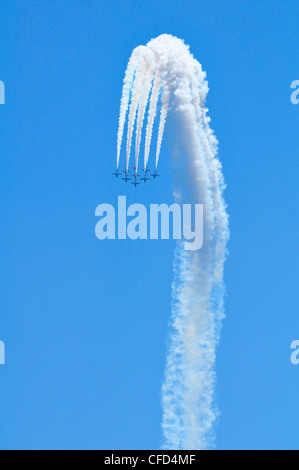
(155, 175)
(145, 178)
(116, 174)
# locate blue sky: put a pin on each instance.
(85, 322)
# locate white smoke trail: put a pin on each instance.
(152, 115)
(146, 89)
(137, 86)
(127, 87)
(163, 115)
(189, 410)
(141, 90)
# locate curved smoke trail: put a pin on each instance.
(168, 70)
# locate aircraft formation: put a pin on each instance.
(135, 177)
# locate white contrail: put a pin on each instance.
(137, 86)
(152, 114)
(127, 87)
(146, 89)
(163, 115)
(140, 93)
(189, 410)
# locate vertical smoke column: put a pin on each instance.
(189, 410)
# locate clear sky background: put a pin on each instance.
(85, 322)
